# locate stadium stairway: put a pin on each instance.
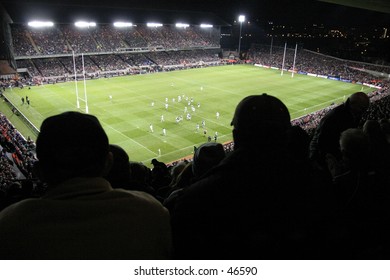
(5, 68)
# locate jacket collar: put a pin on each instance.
(77, 187)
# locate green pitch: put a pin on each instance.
(127, 116)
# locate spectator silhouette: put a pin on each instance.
(246, 207)
(379, 150)
(299, 142)
(320, 194)
(361, 201)
(141, 178)
(327, 134)
(206, 156)
(353, 169)
(161, 178)
(184, 179)
(175, 172)
(385, 126)
(119, 174)
(81, 216)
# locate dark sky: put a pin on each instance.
(279, 11)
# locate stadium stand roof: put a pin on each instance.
(63, 13)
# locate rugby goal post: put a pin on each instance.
(78, 98)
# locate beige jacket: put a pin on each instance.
(85, 218)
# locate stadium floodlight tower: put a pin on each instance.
(241, 19)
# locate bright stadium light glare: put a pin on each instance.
(153, 24)
(122, 24)
(203, 25)
(182, 25)
(241, 18)
(84, 24)
(37, 23)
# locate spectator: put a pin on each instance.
(327, 134)
(119, 174)
(362, 203)
(379, 150)
(161, 177)
(174, 171)
(354, 147)
(81, 216)
(206, 156)
(141, 178)
(246, 207)
(385, 126)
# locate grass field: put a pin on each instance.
(126, 118)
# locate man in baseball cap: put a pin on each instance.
(246, 207)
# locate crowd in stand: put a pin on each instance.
(63, 66)
(47, 41)
(159, 45)
(310, 62)
(17, 156)
(65, 38)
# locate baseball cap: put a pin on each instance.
(263, 111)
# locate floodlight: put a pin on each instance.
(37, 23)
(203, 25)
(182, 25)
(84, 24)
(153, 24)
(241, 19)
(81, 24)
(122, 24)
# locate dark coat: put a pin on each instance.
(253, 205)
(327, 134)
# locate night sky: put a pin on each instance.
(279, 11)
